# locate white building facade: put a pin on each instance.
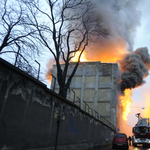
(96, 84)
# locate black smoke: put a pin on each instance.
(135, 67)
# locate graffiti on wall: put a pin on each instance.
(72, 127)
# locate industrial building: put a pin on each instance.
(96, 84)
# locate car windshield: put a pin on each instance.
(120, 135)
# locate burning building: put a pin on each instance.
(106, 88)
(96, 84)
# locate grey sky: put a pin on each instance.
(142, 39)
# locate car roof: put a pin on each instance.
(121, 133)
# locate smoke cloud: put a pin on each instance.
(121, 18)
(135, 67)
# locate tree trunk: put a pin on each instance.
(63, 91)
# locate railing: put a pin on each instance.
(77, 101)
(84, 106)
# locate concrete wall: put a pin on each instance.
(28, 116)
(95, 83)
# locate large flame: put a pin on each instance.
(107, 57)
(126, 103)
(110, 51)
(82, 58)
(113, 58)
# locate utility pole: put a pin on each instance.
(59, 120)
(38, 69)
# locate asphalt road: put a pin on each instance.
(130, 148)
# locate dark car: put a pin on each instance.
(120, 140)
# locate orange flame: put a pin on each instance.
(107, 52)
(105, 57)
(49, 73)
(49, 77)
(126, 103)
(82, 58)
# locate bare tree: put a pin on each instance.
(64, 27)
(14, 38)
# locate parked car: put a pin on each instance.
(120, 140)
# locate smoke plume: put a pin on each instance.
(121, 18)
(135, 67)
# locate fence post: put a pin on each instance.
(85, 105)
(79, 101)
(38, 69)
(74, 96)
